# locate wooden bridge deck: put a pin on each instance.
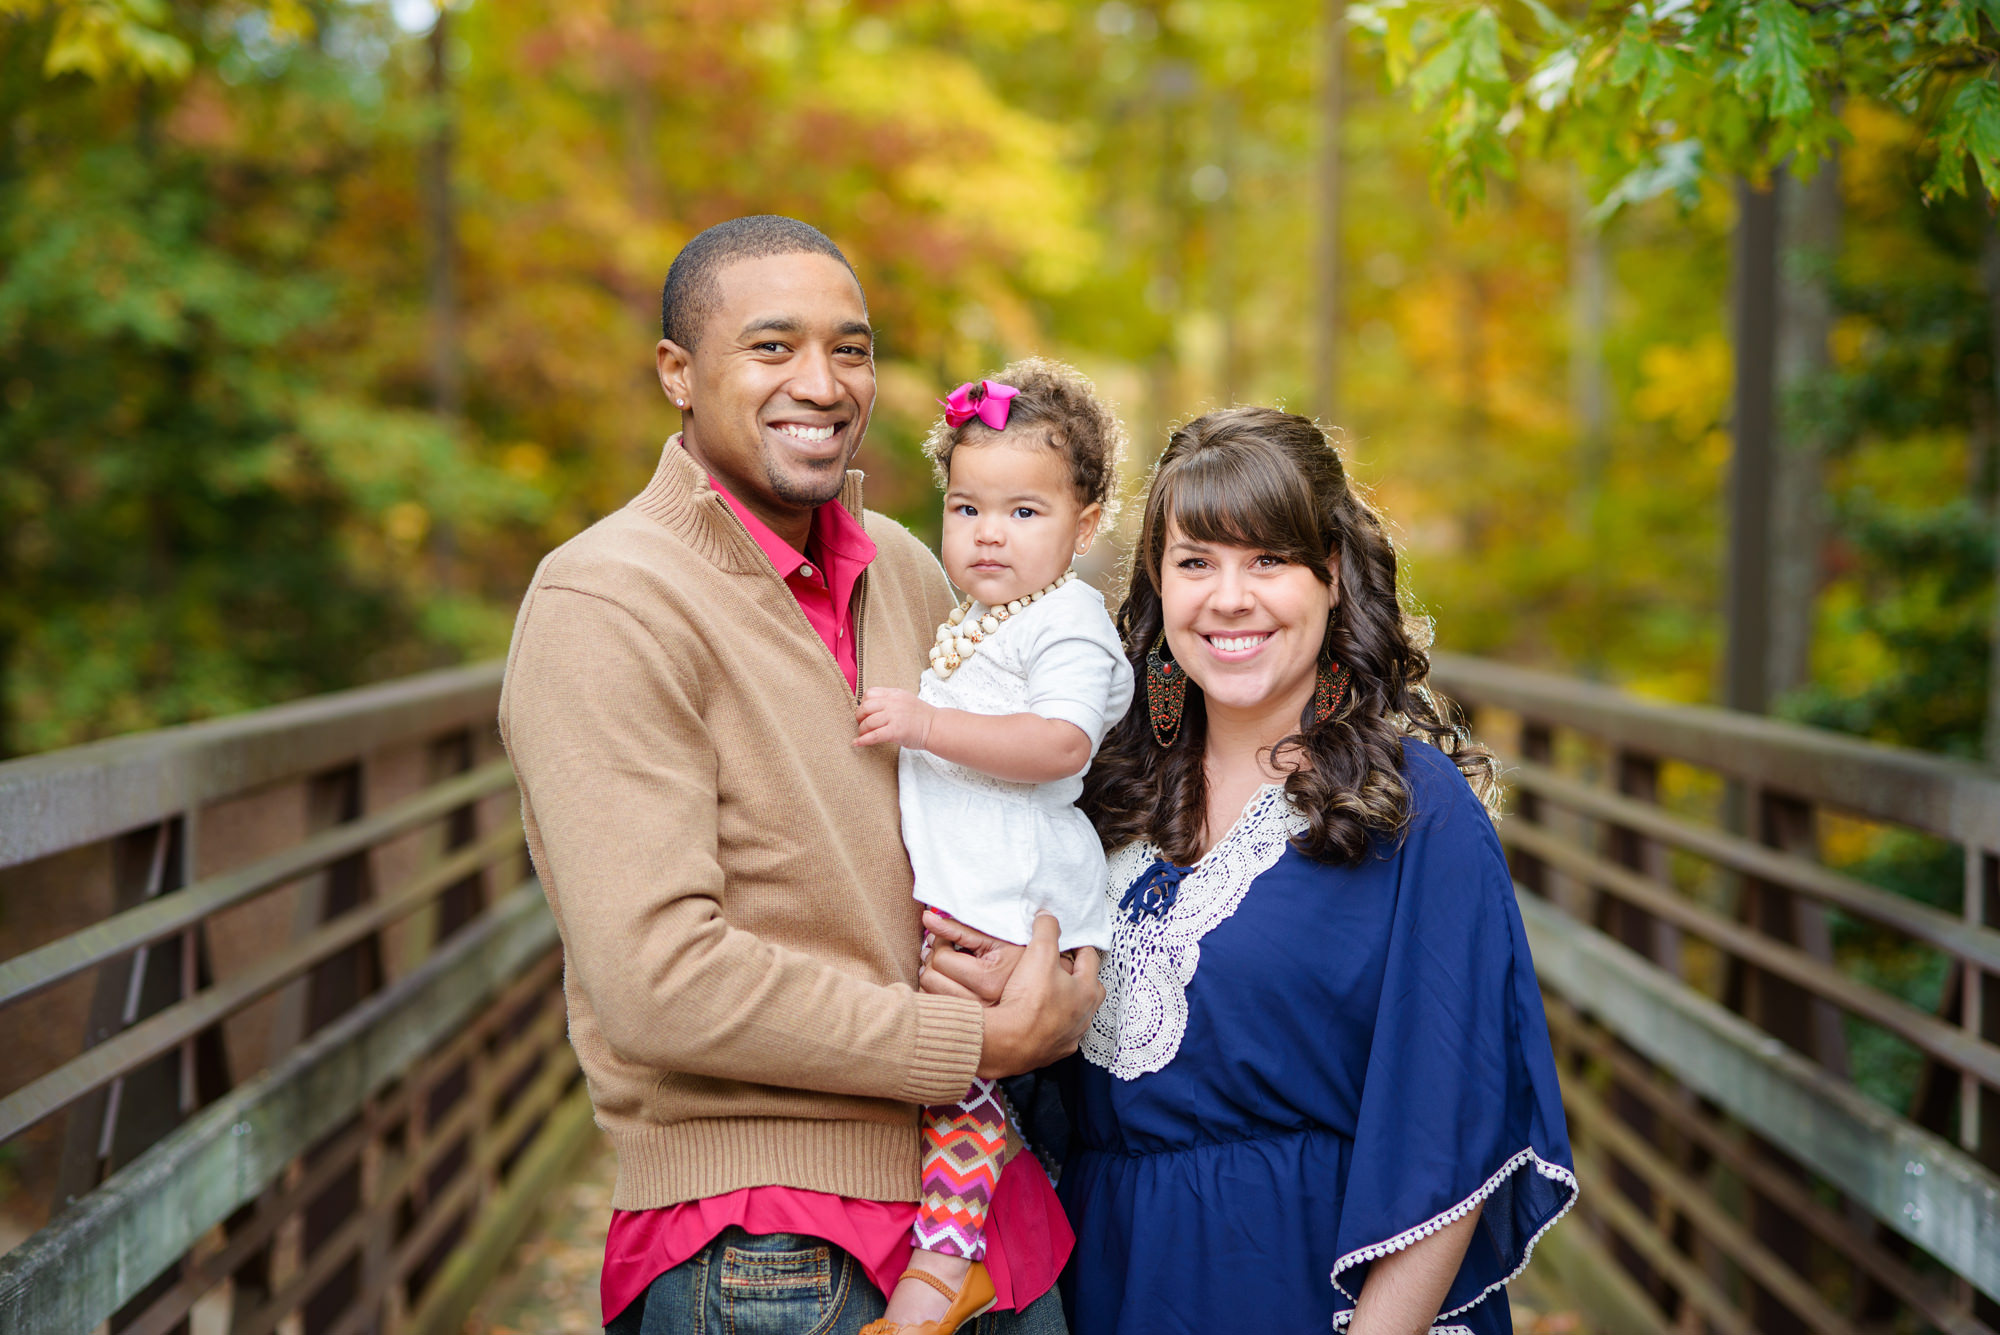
(549, 1284)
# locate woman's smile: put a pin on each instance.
(1238, 646)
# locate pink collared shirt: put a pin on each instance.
(1028, 1238)
(823, 576)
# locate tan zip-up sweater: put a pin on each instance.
(726, 868)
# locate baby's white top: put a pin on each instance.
(993, 853)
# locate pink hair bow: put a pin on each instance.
(989, 401)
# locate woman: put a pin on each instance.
(1320, 1090)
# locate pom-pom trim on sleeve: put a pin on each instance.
(1555, 1172)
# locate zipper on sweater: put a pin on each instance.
(792, 601)
(860, 620)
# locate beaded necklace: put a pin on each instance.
(958, 639)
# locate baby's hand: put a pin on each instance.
(888, 715)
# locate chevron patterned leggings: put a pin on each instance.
(964, 1145)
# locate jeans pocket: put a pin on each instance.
(781, 1292)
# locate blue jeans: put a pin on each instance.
(785, 1284)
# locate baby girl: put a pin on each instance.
(1025, 679)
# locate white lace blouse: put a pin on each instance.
(1146, 973)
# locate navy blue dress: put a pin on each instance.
(1301, 1068)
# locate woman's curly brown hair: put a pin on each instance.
(1060, 404)
(1271, 480)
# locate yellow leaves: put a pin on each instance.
(406, 523)
(290, 20)
(1686, 386)
(1874, 167)
(907, 391)
(1851, 337)
(1926, 470)
(1864, 659)
(525, 460)
(994, 169)
(103, 38)
(107, 39)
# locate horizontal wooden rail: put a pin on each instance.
(1633, 1081)
(1916, 1183)
(1919, 922)
(1920, 1028)
(86, 793)
(1638, 1232)
(104, 1250)
(1949, 798)
(453, 1293)
(175, 912)
(443, 1211)
(167, 1029)
(329, 1162)
(1592, 1122)
(375, 1175)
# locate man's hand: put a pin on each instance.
(1039, 1001)
(889, 715)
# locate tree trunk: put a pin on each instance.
(1476, 519)
(1809, 232)
(641, 110)
(1588, 398)
(1222, 254)
(1989, 268)
(1747, 576)
(7, 653)
(441, 225)
(1176, 84)
(1326, 312)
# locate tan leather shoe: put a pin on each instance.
(974, 1298)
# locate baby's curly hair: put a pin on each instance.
(1060, 402)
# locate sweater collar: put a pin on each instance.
(680, 500)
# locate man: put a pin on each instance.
(725, 866)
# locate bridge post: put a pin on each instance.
(111, 1127)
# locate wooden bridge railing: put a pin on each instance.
(282, 1021)
(283, 1035)
(1771, 957)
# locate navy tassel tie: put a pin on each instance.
(1155, 891)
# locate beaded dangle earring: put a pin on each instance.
(1166, 691)
(1329, 689)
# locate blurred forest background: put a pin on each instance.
(321, 322)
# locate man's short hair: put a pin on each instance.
(689, 295)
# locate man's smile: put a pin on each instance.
(808, 433)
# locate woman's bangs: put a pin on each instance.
(1242, 498)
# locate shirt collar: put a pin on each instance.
(833, 531)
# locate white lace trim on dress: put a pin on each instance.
(1146, 972)
(1376, 1251)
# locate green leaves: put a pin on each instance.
(1453, 59)
(1467, 60)
(1959, 20)
(1639, 61)
(1782, 60)
(1971, 125)
(1752, 83)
